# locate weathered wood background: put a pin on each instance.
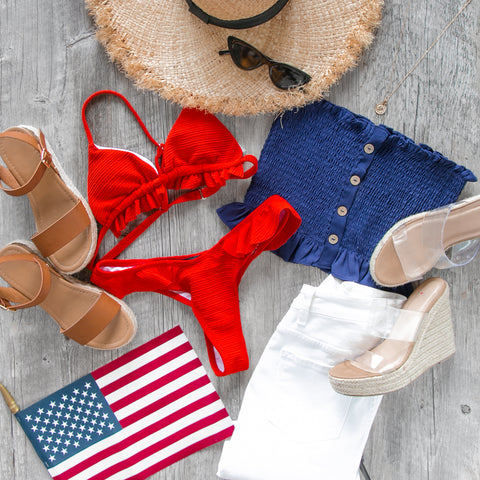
(50, 62)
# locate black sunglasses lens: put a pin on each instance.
(285, 76)
(244, 56)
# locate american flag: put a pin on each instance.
(130, 418)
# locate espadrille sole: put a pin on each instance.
(435, 343)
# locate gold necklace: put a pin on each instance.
(381, 107)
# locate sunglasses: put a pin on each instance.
(247, 57)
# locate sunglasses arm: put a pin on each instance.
(224, 52)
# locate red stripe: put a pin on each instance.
(132, 439)
(137, 352)
(156, 384)
(147, 368)
(153, 407)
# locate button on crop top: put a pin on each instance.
(199, 155)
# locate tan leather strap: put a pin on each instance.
(40, 145)
(12, 299)
(63, 231)
(94, 321)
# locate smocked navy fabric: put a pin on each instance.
(350, 180)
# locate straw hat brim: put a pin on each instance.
(163, 47)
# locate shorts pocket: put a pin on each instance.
(305, 406)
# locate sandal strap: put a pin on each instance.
(94, 321)
(63, 231)
(40, 145)
(11, 298)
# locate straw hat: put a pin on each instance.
(162, 46)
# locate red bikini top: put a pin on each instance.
(199, 155)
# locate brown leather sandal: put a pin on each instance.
(85, 313)
(67, 230)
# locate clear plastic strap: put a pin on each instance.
(390, 353)
(421, 248)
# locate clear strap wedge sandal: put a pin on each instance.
(421, 336)
(442, 238)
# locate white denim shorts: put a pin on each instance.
(292, 425)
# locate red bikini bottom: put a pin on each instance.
(208, 281)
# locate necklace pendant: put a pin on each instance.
(381, 108)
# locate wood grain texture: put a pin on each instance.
(50, 62)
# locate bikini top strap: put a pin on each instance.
(127, 103)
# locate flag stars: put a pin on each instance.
(64, 398)
(73, 399)
(79, 435)
(102, 424)
(61, 406)
(85, 419)
(67, 442)
(46, 421)
(111, 426)
(84, 393)
(81, 401)
(68, 416)
(51, 458)
(99, 431)
(91, 429)
(46, 448)
(76, 444)
(43, 429)
(55, 449)
(34, 428)
(49, 413)
(64, 424)
(88, 385)
(88, 438)
(96, 414)
(99, 406)
(79, 410)
(90, 404)
(58, 414)
(88, 412)
(70, 434)
(64, 451)
(61, 433)
(76, 418)
(93, 421)
(93, 395)
(73, 426)
(52, 404)
(28, 418)
(70, 408)
(40, 438)
(58, 441)
(81, 427)
(40, 411)
(105, 416)
(53, 431)
(49, 439)
(38, 419)
(55, 423)
(76, 391)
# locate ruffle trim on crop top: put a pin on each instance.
(324, 158)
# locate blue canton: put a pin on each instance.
(68, 421)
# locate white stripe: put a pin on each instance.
(151, 377)
(142, 360)
(136, 447)
(134, 428)
(172, 449)
(160, 393)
